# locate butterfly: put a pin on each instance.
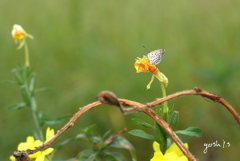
(156, 56)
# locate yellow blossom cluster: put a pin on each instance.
(173, 153)
(31, 143)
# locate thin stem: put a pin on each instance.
(33, 108)
(33, 105)
(36, 121)
(165, 105)
(27, 63)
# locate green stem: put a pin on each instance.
(165, 106)
(27, 63)
(36, 121)
(33, 108)
(33, 104)
(163, 144)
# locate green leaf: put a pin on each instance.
(171, 110)
(89, 130)
(121, 142)
(57, 121)
(25, 95)
(190, 131)
(106, 134)
(32, 83)
(59, 145)
(42, 117)
(142, 123)
(18, 77)
(71, 159)
(82, 135)
(87, 155)
(174, 119)
(115, 156)
(33, 103)
(41, 89)
(141, 134)
(45, 119)
(8, 81)
(27, 71)
(160, 134)
(17, 106)
(159, 111)
(97, 140)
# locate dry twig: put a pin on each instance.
(110, 98)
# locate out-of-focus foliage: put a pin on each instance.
(83, 47)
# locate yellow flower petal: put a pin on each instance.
(182, 158)
(174, 148)
(48, 151)
(38, 143)
(40, 158)
(156, 147)
(22, 146)
(173, 153)
(158, 156)
(150, 83)
(30, 140)
(18, 32)
(49, 134)
(12, 158)
(144, 65)
(172, 156)
(35, 155)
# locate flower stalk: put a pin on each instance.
(25, 77)
(165, 106)
(144, 65)
(20, 35)
(27, 62)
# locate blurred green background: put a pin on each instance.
(83, 47)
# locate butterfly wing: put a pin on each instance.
(156, 56)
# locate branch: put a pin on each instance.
(110, 140)
(60, 132)
(110, 98)
(197, 91)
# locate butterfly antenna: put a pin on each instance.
(146, 49)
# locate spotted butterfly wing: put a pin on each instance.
(156, 56)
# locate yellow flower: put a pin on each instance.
(173, 153)
(144, 65)
(19, 35)
(32, 144)
(18, 32)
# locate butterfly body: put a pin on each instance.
(156, 56)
